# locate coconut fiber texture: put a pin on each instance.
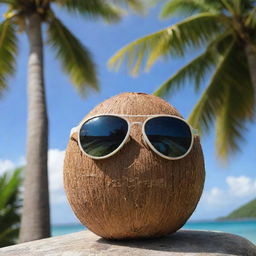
(134, 193)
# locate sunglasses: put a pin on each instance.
(102, 136)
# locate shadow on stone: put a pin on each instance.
(186, 241)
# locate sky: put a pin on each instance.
(226, 186)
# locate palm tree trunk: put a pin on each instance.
(35, 223)
(251, 57)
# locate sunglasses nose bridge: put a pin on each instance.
(137, 132)
(139, 123)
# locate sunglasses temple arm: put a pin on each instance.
(73, 130)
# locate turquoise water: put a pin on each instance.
(245, 228)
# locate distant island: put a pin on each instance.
(247, 211)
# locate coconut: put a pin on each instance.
(134, 193)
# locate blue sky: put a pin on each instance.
(226, 187)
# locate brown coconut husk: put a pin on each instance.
(135, 193)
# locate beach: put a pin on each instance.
(244, 228)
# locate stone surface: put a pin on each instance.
(184, 242)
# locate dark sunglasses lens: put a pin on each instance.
(102, 135)
(170, 136)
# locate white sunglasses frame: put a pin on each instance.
(126, 139)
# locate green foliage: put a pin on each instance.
(136, 5)
(172, 41)
(75, 58)
(110, 11)
(228, 101)
(92, 8)
(244, 212)
(8, 52)
(188, 7)
(220, 30)
(196, 70)
(73, 55)
(9, 207)
(8, 1)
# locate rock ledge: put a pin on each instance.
(183, 242)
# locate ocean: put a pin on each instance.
(245, 228)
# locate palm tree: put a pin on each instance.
(223, 32)
(10, 204)
(28, 16)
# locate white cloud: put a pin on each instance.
(214, 197)
(60, 209)
(22, 161)
(221, 201)
(6, 165)
(55, 168)
(241, 186)
(237, 188)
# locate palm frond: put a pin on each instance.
(9, 188)
(9, 215)
(238, 7)
(210, 102)
(188, 7)
(171, 41)
(250, 20)
(75, 58)
(228, 128)
(10, 2)
(228, 6)
(227, 101)
(9, 207)
(237, 109)
(194, 73)
(92, 9)
(8, 52)
(8, 236)
(197, 70)
(136, 5)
